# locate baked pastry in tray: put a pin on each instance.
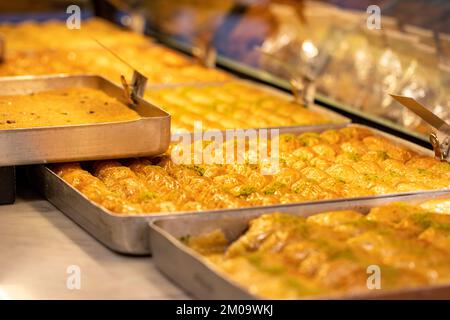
(55, 34)
(284, 256)
(158, 64)
(62, 107)
(35, 48)
(345, 163)
(231, 105)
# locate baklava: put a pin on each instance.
(334, 254)
(158, 64)
(62, 107)
(54, 34)
(231, 105)
(346, 163)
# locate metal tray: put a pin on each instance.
(204, 281)
(337, 119)
(129, 234)
(150, 134)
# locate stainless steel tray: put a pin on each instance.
(204, 281)
(150, 135)
(128, 234)
(337, 119)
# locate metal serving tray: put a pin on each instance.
(204, 281)
(129, 234)
(149, 135)
(337, 119)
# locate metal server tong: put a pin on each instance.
(136, 88)
(303, 85)
(440, 139)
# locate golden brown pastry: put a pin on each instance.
(345, 163)
(160, 65)
(231, 105)
(61, 107)
(283, 256)
(52, 34)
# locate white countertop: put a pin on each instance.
(37, 245)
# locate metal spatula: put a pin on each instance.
(440, 139)
(136, 88)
